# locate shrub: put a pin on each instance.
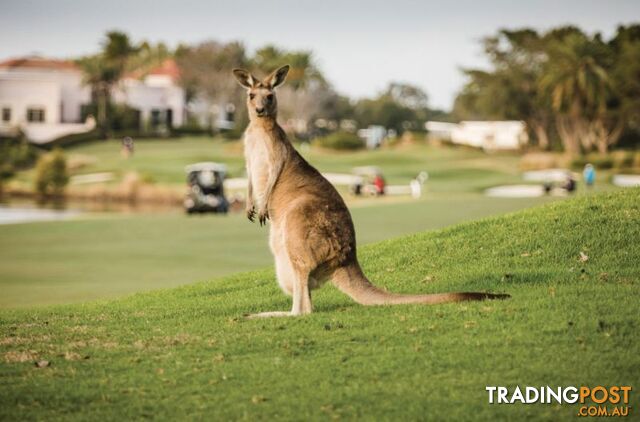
(623, 159)
(545, 160)
(124, 118)
(15, 154)
(602, 161)
(232, 134)
(51, 173)
(636, 160)
(191, 128)
(73, 139)
(341, 141)
(121, 116)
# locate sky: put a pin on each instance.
(359, 45)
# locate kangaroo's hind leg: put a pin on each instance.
(298, 281)
(301, 293)
(293, 280)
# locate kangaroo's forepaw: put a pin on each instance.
(263, 216)
(251, 213)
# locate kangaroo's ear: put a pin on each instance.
(244, 78)
(277, 77)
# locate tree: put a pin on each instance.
(104, 70)
(206, 73)
(407, 95)
(625, 75)
(148, 56)
(511, 89)
(15, 154)
(303, 71)
(579, 87)
(207, 67)
(582, 87)
(51, 173)
(399, 107)
(307, 96)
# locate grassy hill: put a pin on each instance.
(571, 268)
(113, 255)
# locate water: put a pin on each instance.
(25, 211)
(22, 214)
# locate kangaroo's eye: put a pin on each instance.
(252, 96)
(270, 97)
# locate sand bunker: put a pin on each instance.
(515, 191)
(626, 180)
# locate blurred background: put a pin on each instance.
(121, 166)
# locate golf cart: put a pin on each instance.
(205, 188)
(368, 180)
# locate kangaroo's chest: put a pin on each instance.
(260, 161)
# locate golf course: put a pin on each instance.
(571, 268)
(306, 211)
(101, 255)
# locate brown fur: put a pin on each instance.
(312, 235)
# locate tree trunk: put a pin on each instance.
(604, 137)
(541, 135)
(103, 104)
(568, 135)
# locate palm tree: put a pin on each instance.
(104, 70)
(510, 90)
(577, 82)
(303, 69)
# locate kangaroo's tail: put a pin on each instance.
(352, 281)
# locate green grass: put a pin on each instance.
(75, 261)
(163, 161)
(188, 354)
(106, 257)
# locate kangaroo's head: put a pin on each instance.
(261, 97)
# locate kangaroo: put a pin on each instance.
(312, 237)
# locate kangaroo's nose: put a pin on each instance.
(259, 110)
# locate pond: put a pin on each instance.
(21, 210)
(24, 214)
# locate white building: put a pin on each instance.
(488, 135)
(44, 98)
(208, 114)
(156, 95)
(41, 97)
(373, 135)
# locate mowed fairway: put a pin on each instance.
(187, 353)
(112, 255)
(163, 161)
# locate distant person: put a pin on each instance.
(356, 187)
(589, 175)
(570, 183)
(379, 184)
(416, 184)
(416, 188)
(547, 186)
(127, 146)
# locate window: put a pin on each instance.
(35, 115)
(155, 118)
(6, 114)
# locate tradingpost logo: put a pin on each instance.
(594, 401)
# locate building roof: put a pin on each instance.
(39, 63)
(168, 68)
